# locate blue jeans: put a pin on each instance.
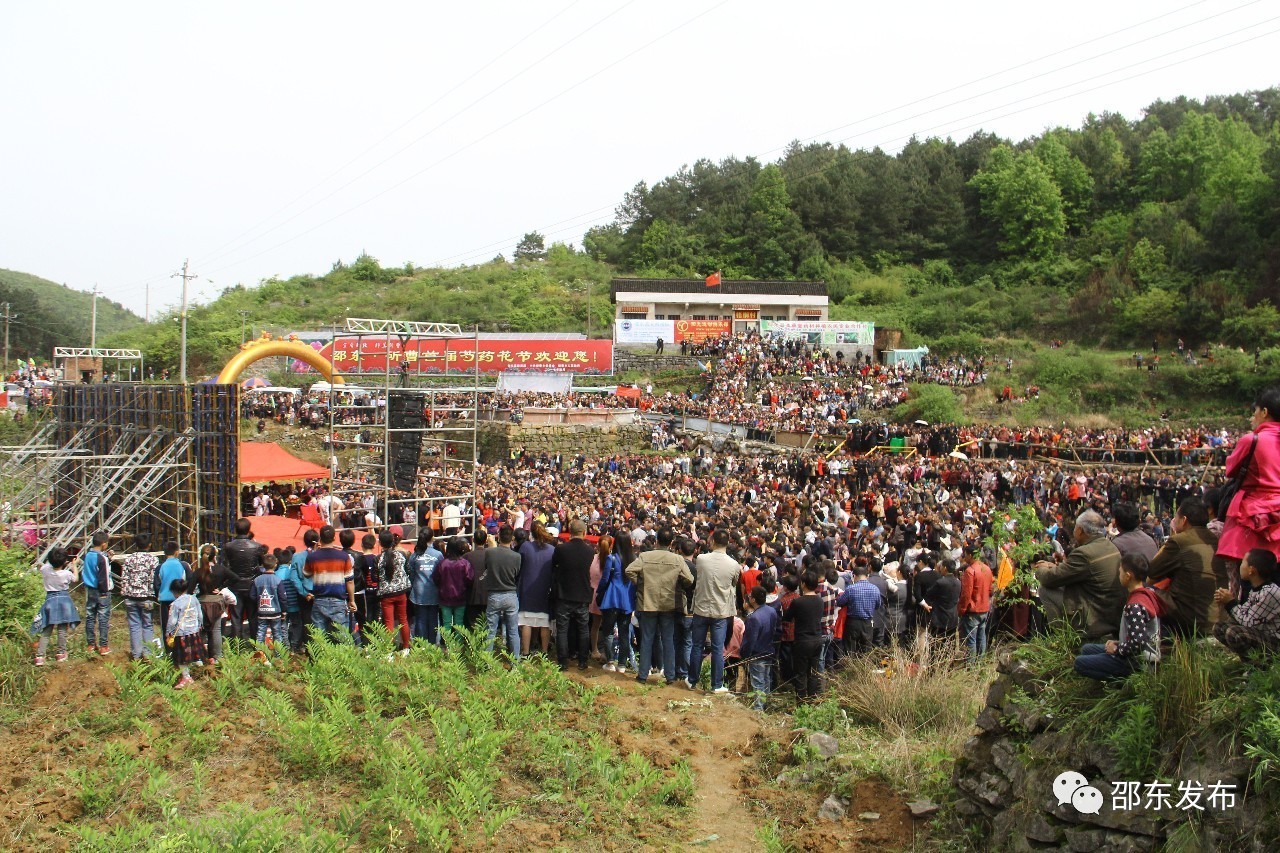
(329, 616)
(1094, 662)
(138, 615)
(97, 613)
(657, 625)
(500, 614)
(974, 628)
(616, 650)
(761, 674)
(683, 638)
(274, 624)
(426, 622)
(697, 635)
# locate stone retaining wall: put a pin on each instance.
(1005, 779)
(497, 440)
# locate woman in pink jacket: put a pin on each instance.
(1253, 519)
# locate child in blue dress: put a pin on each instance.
(59, 611)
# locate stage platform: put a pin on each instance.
(276, 531)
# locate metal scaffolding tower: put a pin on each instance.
(127, 458)
(411, 441)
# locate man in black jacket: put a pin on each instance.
(942, 599)
(242, 558)
(571, 588)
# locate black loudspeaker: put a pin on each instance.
(404, 412)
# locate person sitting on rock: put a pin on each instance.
(1083, 589)
(1252, 624)
(1139, 643)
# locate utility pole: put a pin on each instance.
(147, 309)
(93, 321)
(186, 277)
(7, 318)
(244, 317)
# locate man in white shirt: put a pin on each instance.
(451, 519)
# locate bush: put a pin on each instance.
(21, 591)
(936, 404)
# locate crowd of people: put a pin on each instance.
(787, 563)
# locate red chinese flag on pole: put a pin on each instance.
(713, 279)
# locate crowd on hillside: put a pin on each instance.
(789, 563)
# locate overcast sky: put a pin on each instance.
(273, 138)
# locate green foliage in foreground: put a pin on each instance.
(21, 591)
(431, 752)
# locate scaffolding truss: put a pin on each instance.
(365, 326)
(125, 459)
(411, 443)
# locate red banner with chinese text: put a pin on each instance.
(699, 330)
(433, 355)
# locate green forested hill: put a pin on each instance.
(49, 314)
(1121, 232)
(1114, 231)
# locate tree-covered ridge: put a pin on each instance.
(47, 315)
(534, 294)
(1166, 223)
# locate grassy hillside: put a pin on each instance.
(49, 314)
(548, 295)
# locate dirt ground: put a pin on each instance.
(718, 736)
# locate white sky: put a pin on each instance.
(274, 138)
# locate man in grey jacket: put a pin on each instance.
(713, 608)
(656, 575)
(502, 572)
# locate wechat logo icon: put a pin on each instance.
(1072, 788)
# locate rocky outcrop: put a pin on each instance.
(1005, 779)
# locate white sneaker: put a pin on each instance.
(609, 668)
(404, 653)
(721, 689)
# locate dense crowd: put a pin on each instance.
(776, 567)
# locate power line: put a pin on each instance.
(423, 136)
(820, 170)
(217, 252)
(481, 138)
(483, 250)
(493, 61)
(1039, 59)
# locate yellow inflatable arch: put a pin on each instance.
(265, 348)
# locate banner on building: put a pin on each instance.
(823, 332)
(461, 355)
(643, 331)
(698, 331)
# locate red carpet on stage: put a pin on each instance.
(276, 531)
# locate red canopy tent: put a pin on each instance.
(262, 461)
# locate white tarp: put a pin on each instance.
(643, 331)
(513, 381)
